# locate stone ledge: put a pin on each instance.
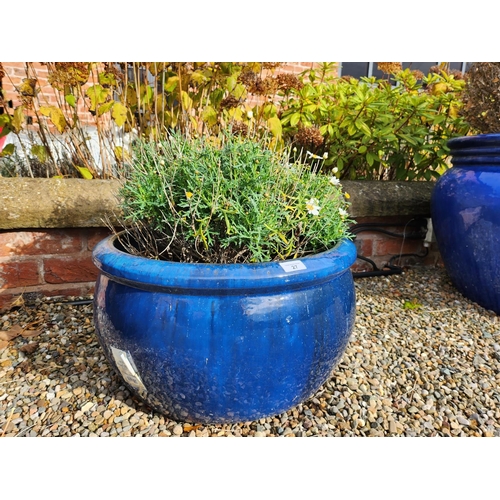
(389, 198)
(60, 203)
(56, 203)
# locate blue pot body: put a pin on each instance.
(215, 343)
(465, 208)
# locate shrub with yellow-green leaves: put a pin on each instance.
(372, 129)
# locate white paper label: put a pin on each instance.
(126, 365)
(292, 265)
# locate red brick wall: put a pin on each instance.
(58, 261)
(47, 261)
(380, 247)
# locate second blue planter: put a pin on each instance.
(465, 209)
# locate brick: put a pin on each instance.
(395, 246)
(46, 242)
(21, 72)
(95, 235)
(364, 245)
(69, 269)
(17, 274)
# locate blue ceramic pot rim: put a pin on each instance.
(476, 161)
(149, 274)
(474, 141)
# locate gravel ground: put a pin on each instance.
(422, 361)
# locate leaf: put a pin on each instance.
(7, 150)
(121, 154)
(29, 348)
(171, 84)
(85, 172)
(28, 87)
(97, 95)
(31, 333)
(364, 127)
(231, 82)
(14, 332)
(17, 302)
(104, 108)
(187, 102)
(274, 125)
(370, 158)
(239, 91)
(198, 77)
(209, 116)
(4, 120)
(71, 100)
(56, 116)
(18, 119)
(146, 93)
(40, 152)
(412, 305)
(439, 118)
(119, 113)
(295, 119)
(107, 79)
(189, 428)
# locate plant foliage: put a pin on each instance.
(228, 199)
(386, 129)
(374, 130)
(482, 97)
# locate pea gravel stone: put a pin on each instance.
(422, 361)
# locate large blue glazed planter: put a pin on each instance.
(465, 207)
(215, 343)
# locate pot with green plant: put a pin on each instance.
(465, 202)
(228, 295)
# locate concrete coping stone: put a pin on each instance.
(61, 203)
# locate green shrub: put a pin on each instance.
(374, 130)
(228, 199)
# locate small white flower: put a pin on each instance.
(312, 155)
(335, 170)
(342, 212)
(325, 156)
(313, 206)
(249, 115)
(294, 149)
(333, 180)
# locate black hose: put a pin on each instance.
(390, 268)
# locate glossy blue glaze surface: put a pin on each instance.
(225, 343)
(465, 208)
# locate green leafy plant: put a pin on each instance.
(372, 129)
(228, 199)
(412, 305)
